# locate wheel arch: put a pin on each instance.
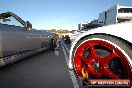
(118, 37)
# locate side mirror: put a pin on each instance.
(28, 25)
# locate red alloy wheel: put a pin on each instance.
(98, 59)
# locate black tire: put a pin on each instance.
(117, 42)
(52, 44)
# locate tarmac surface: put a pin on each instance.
(45, 70)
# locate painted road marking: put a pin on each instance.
(73, 77)
(66, 47)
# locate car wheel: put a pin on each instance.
(52, 44)
(102, 57)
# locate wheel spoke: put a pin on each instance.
(84, 59)
(110, 74)
(109, 57)
(93, 52)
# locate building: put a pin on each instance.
(82, 25)
(115, 14)
(88, 26)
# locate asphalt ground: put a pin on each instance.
(45, 70)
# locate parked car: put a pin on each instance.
(67, 39)
(18, 39)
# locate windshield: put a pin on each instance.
(10, 21)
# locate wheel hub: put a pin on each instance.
(97, 65)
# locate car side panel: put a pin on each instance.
(16, 39)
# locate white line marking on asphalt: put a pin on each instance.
(73, 77)
(66, 47)
(65, 54)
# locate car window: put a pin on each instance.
(11, 21)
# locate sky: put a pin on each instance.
(59, 14)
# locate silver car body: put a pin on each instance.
(19, 42)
